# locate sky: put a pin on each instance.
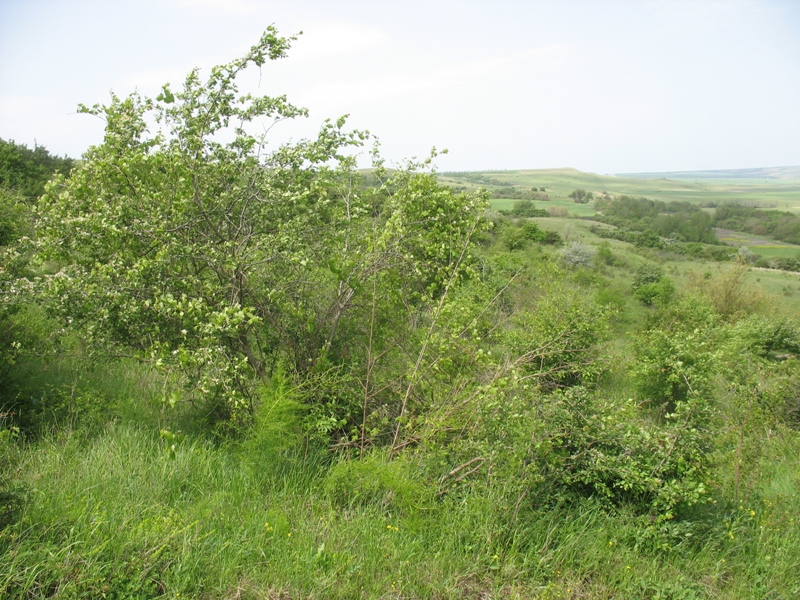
(605, 86)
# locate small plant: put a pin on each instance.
(374, 480)
(604, 254)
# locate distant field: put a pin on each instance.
(787, 173)
(775, 193)
(758, 244)
(579, 210)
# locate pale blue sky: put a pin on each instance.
(605, 86)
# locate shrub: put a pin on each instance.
(656, 294)
(605, 450)
(578, 254)
(532, 232)
(581, 196)
(526, 208)
(604, 254)
(552, 238)
(514, 239)
(729, 292)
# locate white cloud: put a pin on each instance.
(328, 39)
(239, 7)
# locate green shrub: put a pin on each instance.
(514, 239)
(645, 274)
(656, 294)
(526, 208)
(552, 238)
(606, 450)
(604, 254)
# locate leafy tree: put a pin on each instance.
(581, 196)
(196, 248)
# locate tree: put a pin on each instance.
(581, 196)
(196, 248)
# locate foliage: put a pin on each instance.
(422, 412)
(658, 293)
(651, 287)
(604, 254)
(682, 221)
(578, 254)
(15, 256)
(25, 172)
(581, 196)
(676, 354)
(608, 452)
(649, 239)
(526, 208)
(217, 259)
(555, 341)
(781, 225)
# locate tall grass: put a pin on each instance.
(114, 514)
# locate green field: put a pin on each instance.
(774, 193)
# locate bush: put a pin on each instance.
(526, 208)
(729, 292)
(581, 196)
(604, 254)
(578, 254)
(656, 294)
(588, 446)
(514, 239)
(646, 274)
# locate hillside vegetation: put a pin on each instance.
(236, 371)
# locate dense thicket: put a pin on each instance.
(680, 220)
(784, 226)
(25, 171)
(23, 175)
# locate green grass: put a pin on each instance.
(114, 514)
(572, 208)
